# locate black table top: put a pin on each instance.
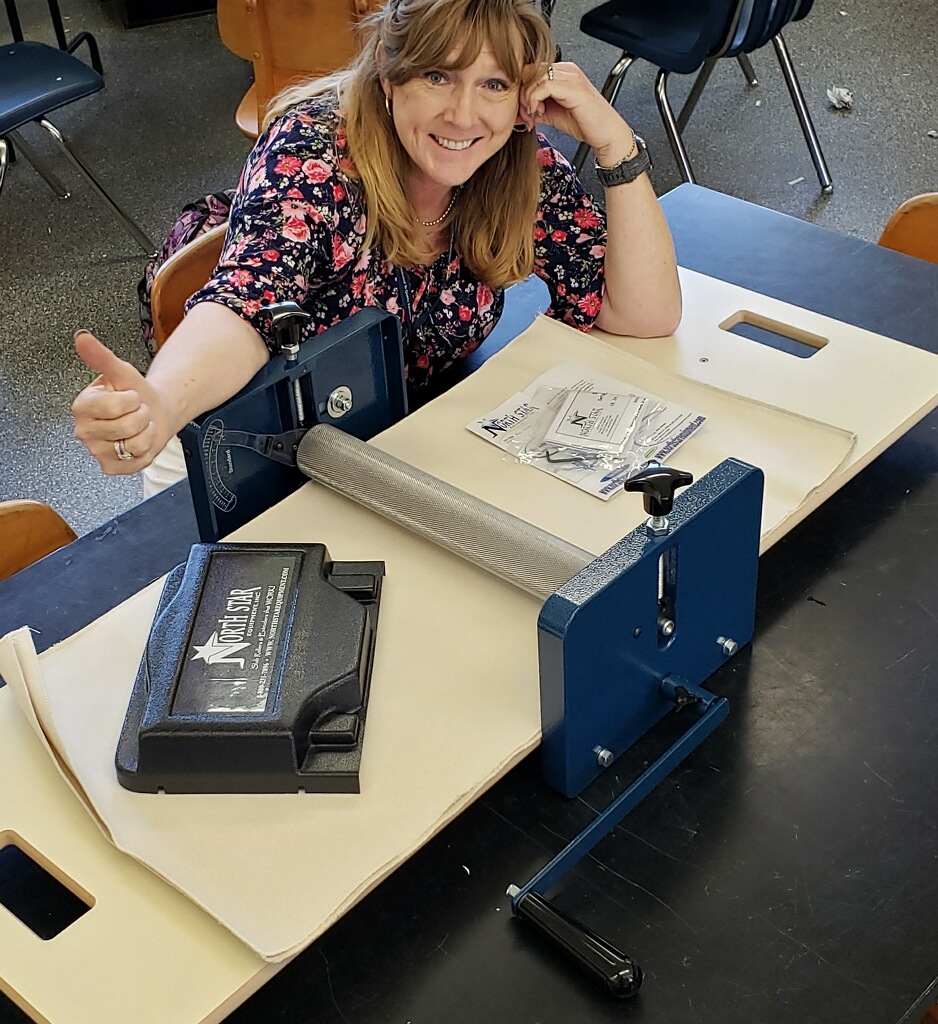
(787, 870)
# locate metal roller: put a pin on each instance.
(496, 541)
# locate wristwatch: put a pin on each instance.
(626, 170)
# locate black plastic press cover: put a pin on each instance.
(256, 674)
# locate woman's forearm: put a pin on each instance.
(210, 356)
(642, 295)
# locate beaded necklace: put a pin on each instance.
(444, 214)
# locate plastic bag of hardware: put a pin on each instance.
(582, 429)
(588, 429)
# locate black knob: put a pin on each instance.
(658, 484)
(683, 697)
(617, 973)
(287, 320)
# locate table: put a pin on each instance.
(787, 870)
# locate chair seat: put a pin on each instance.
(659, 31)
(36, 79)
(913, 229)
(760, 31)
(246, 114)
(29, 530)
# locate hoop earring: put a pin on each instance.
(519, 128)
(387, 104)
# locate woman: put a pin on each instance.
(415, 181)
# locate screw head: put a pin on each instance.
(604, 757)
(339, 402)
(728, 646)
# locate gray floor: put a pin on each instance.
(162, 133)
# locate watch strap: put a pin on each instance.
(626, 170)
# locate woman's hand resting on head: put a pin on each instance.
(562, 97)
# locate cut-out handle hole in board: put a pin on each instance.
(32, 892)
(794, 340)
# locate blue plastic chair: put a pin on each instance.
(687, 36)
(36, 79)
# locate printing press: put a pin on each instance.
(623, 639)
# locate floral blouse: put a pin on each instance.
(296, 232)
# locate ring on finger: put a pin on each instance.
(121, 452)
(550, 72)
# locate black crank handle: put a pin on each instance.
(619, 975)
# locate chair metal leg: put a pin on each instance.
(700, 82)
(41, 167)
(579, 157)
(616, 77)
(13, 17)
(89, 40)
(56, 15)
(139, 237)
(696, 90)
(743, 60)
(4, 158)
(804, 118)
(670, 126)
(611, 92)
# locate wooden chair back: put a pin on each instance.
(287, 41)
(29, 530)
(180, 277)
(913, 228)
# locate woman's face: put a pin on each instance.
(451, 122)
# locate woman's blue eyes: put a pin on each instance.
(493, 84)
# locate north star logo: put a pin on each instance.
(217, 653)
(500, 424)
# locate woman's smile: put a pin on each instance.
(453, 144)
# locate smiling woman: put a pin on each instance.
(433, 77)
(414, 180)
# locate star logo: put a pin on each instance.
(216, 653)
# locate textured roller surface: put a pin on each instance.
(492, 539)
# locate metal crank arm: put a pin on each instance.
(277, 447)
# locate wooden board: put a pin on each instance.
(857, 380)
(143, 952)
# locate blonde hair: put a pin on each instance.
(493, 217)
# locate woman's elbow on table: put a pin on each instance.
(656, 318)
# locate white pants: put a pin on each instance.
(166, 469)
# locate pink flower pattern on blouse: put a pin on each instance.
(296, 232)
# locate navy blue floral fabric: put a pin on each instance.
(296, 232)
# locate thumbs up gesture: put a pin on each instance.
(116, 414)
